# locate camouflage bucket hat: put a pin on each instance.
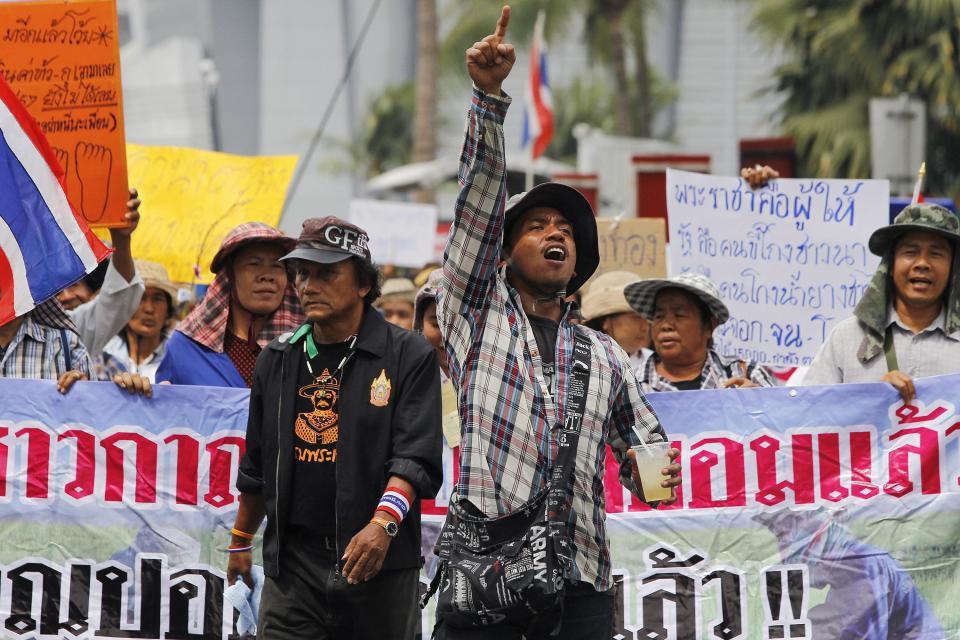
(916, 217)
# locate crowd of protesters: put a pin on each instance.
(463, 372)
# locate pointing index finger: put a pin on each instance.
(502, 22)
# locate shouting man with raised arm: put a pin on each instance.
(507, 268)
(343, 438)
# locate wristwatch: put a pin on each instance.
(389, 526)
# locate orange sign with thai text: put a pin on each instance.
(62, 59)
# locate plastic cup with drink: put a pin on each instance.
(651, 459)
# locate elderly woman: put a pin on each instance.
(141, 344)
(683, 313)
(605, 309)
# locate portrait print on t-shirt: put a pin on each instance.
(321, 425)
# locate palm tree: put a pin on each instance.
(841, 54)
(606, 37)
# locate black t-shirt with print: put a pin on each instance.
(315, 435)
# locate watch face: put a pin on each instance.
(392, 529)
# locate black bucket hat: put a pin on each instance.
(576, 209)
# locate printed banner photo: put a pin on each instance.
(816, 512)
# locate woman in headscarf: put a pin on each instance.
(250, 302)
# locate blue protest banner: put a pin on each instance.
(812, 512)
(816, 512)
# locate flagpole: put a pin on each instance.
(539, 102)
(529, 181)
(918, 187)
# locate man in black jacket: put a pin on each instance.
(343, 438)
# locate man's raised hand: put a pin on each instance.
(489, 61)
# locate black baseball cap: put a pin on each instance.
(329, 240)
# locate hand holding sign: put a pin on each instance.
(489, 61)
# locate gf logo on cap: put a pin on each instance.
(347, 239)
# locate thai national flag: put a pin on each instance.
(45, 244)
(538, 111)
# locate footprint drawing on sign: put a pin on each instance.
(63, 158)
(92, 164)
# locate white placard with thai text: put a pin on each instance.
(790, 259)
(401, 233)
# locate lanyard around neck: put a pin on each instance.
(308, 343)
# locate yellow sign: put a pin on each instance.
(192, 198)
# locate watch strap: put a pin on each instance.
(389, 526)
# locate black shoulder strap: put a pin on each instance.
(67, 351)
(888, 350)
(558, 506)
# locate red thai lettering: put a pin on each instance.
(38, 461)
(188, 466)
(732, 470)
(910, 414)
(222, 464)
(861, 466)
(772, 490)
(613, 490)
(898, 460)
(145, 467)
(85, 476)
(4, 456)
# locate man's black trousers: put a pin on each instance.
(310, 601)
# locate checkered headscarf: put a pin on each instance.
(208, 322)
(52, 314)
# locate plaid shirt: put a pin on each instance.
(37, 350)
(717, 369)
(508, 416)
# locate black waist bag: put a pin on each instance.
(511, 568)
(496, 570)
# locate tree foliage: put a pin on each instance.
(614, 40)
(842, 53)
(385, 140)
